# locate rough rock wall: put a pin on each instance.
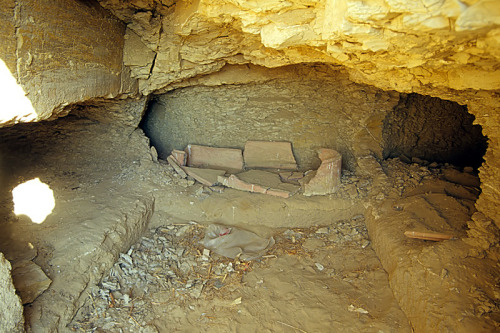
(434, 130)
(11, 316)
(60, 52)
(400, 45)
(310, 106)
(447, 48)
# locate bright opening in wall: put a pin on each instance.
(34, 199)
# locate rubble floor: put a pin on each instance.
(315, 279)
(121, 246)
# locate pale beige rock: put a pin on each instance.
(268, 154)
(137, 55)
(11, 316)
(227, 159)
(29, 280)
(56, 68)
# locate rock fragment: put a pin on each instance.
(29, 280)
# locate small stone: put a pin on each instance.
(319, 266)
(365, 243)
(206, 254)
(312, 244)
(108, 326)
(182, 231)
(127, 258)
(323, 230)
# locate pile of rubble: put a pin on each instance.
(170, 266)
(273, 169)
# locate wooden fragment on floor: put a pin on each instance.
(432, 236)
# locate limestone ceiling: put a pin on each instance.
(393, 44)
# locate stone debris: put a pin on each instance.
(269, 154)
(208, 177)
(29, 280)
(168, 267)
(227, 159)
(326, 179)
(208, 166)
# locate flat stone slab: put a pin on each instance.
(205, 176)
(269, 154)
(174, 163)
(259, 181)
(326, 180)
(227, 159)
(291, 177)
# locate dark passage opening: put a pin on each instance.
(433, 130)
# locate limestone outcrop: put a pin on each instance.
(397, 45)
(56, 53)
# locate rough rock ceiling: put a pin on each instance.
(393, 44)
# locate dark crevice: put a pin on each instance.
(433, 130)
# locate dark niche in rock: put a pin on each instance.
(433, 130)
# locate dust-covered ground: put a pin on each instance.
(121, 246)
(317, 279)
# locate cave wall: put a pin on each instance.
(60, 52)
(448, 49)
(310, 106)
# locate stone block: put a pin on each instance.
(227, 159)
(326, 180)
(269, 154)
(207, 177)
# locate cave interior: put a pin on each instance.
(113, 241)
